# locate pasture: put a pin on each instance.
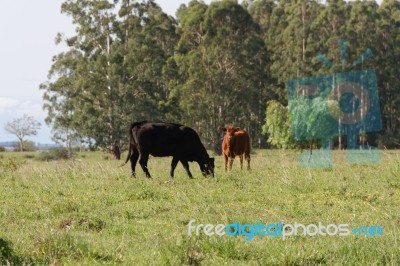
(88, 211)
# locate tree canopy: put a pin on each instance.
(23, 127)
(213, 65)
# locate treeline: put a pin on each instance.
(213, 65)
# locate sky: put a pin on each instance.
(28, 30)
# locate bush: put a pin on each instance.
(2, 149)
(55, 154)
(29, 156)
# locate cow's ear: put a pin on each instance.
(223, 129)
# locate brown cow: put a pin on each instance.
(236, 142)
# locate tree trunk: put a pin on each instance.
(21, 144)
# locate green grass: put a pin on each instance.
(90, 211)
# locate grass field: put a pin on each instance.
(89, 211)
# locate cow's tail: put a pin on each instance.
(129, 153)
(131, 142)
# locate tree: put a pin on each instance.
(277, 126)
(313, 120)
(224, 67)
(215, 64)
(304, 122)
(114, 72)
(388, 56)
(23, 127)
(330, 27)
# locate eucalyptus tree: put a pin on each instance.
(388, 54)
(146, 38)
(330, 27)
(61, 99)
(81, 87)
(300, 37)
(112, 73)
(223, 64)
(360, 53)
(275, 42)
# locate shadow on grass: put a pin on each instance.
(7, 254)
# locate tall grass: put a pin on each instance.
(90, 211)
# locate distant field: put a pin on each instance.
(88, 211)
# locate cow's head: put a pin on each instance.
(207, 168)
(230, 135)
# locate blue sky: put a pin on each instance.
(28, 29)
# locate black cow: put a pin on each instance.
(167, 139)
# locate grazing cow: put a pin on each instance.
(236, 142)
(161, 139)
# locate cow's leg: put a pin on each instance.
(241, 161)
(231, 162)
(174, 162)
(247, 156)
(226, 162)
(143, 158)
(134, 157)
(186, 166)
